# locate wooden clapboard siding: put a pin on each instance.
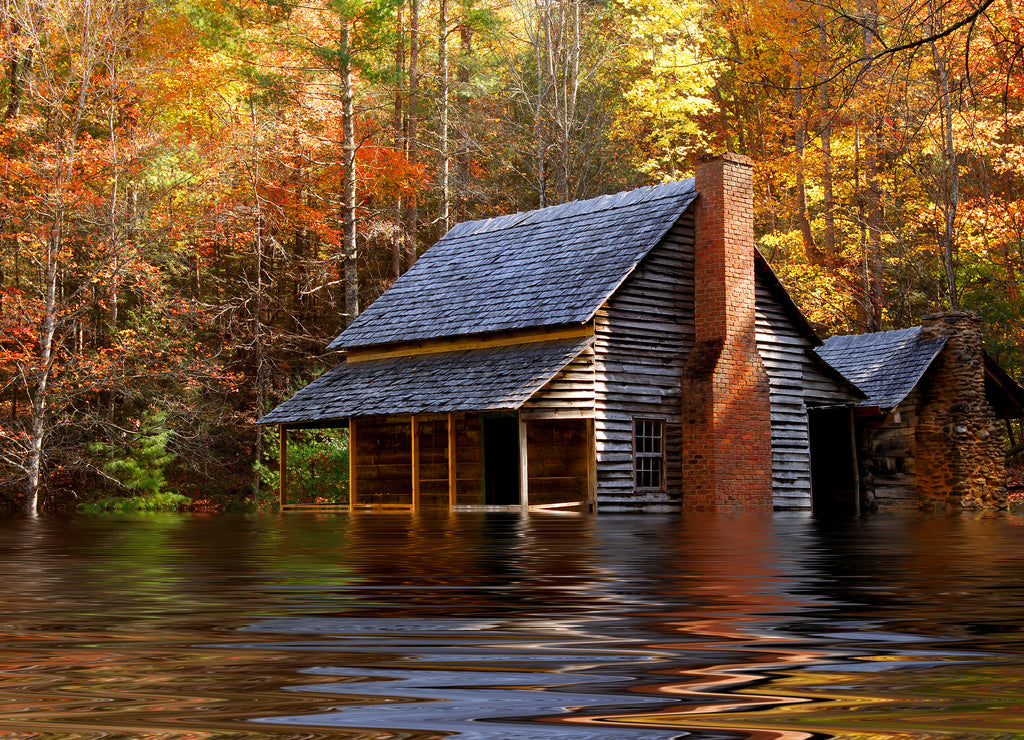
(796, 378)
(783, 351)
(642, 337)
(570, 394)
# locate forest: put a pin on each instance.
(197, 195)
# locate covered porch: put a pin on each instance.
(506, 426)
(462, 461)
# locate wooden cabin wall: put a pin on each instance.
(795, 380)
(383, 460)
(570, 394)
(468, 461)
(888, 454)
(558, 454)
(784, 354)
(643, 335)
(433, 439)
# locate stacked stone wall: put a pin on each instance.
(960, 456)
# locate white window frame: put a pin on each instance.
(648, 429)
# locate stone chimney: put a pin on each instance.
(959, 443)
(726, 413)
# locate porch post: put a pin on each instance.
(451, 461)
(524, 468)
(592, 464)
(282, 464)
(351, 464)
(415, 464)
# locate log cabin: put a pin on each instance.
(623, 351)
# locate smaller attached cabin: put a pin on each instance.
(928, 430)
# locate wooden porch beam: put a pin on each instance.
(500, 339)
(351, 464)
(524, 468)
(415, 464)
(591, 464)
(452, 479)
(282, 464)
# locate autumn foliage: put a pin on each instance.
(196, 196)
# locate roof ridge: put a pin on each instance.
(574, 208)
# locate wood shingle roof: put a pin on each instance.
(487, 379)
(548, 267)
(886, 365)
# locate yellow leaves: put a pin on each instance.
(670, 83)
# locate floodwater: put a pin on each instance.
(507, 627)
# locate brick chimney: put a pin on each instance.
(959, 443)
(726, 413)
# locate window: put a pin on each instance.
(649, 454)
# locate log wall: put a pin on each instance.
(558, 461)
(433, 459)
(468, 460)
(383, 461)
(887, 456)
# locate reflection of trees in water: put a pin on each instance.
(741, 626)
(848, 629)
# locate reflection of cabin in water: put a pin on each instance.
(629, 349)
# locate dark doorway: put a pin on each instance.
(834, 480)
(501, 460)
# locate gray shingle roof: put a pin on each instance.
(552, 266)
(471, 380)
(886, 365)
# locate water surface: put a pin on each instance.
(508, 627)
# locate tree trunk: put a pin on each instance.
(463, 159)
(37, 422)
(259, 340)
(411, 205)
(800, 138)
(950, 184)
(398, 238)
(828, 188)
(873, 197)
(348, 197)
(444, 173)
(17, 69)
(540, 139)
(570, 93)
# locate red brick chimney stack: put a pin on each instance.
(726, 412)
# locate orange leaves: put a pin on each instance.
(388, 175)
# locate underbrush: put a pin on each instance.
(161, 501)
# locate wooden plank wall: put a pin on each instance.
(783, 352)
(468, 460)
(795, 380)
(643, 336)
(558, 462)
(433, 459)
(888, 455)
(384, 461)
(569, 395)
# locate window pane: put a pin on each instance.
(648, 453)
